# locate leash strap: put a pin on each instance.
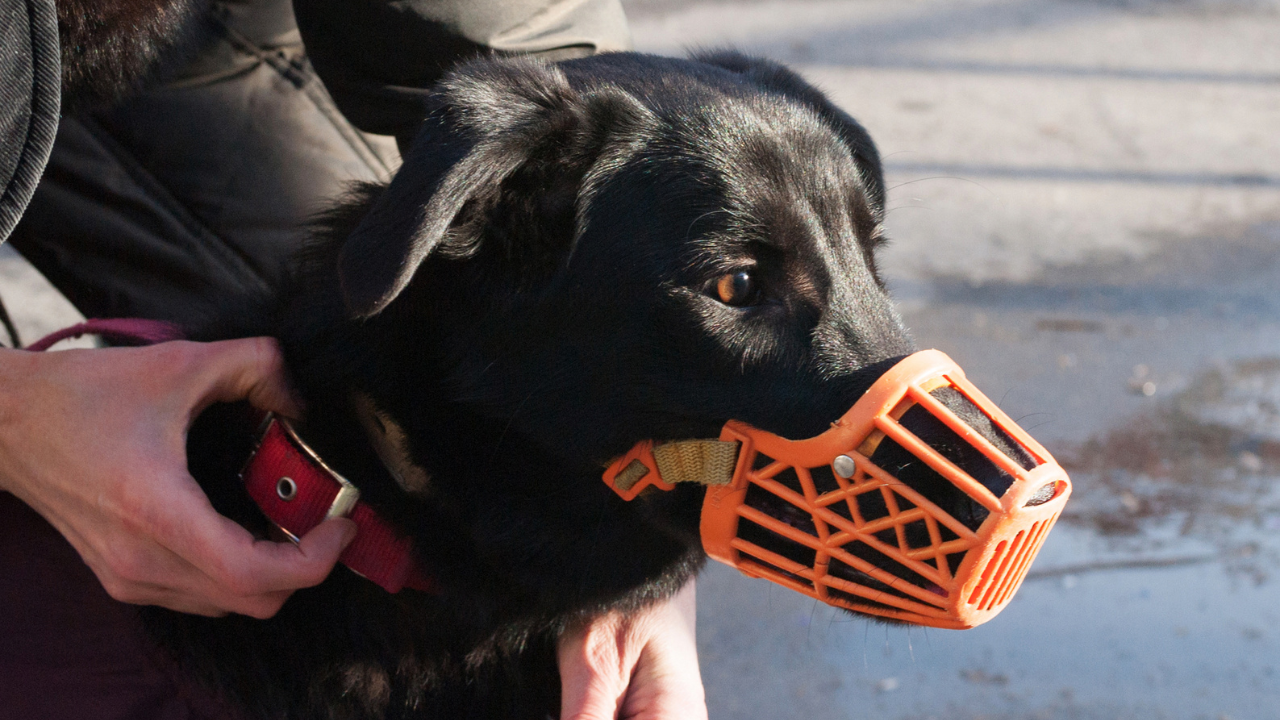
(288, 480)
(126, 331)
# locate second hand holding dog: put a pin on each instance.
(642, 666)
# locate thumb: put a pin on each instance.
(249, 369)
(326, 541)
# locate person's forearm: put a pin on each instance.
(14, 366)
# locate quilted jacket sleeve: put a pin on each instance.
(378, 58)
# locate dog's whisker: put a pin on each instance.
(896, 208)
(944, 177)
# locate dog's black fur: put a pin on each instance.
(111, 49)
(531, 295)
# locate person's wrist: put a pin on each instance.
(16, 368)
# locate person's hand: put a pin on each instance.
(641, 667)
(95, 441)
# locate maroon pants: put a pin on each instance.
(67, 650)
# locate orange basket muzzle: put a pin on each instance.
(819, 517)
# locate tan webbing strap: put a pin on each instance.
(709, 462)
(630, 475)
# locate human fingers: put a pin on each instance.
(246, 575)
(98, 451)
(263, 568)
(637, 666)
(190, 602)
(666, 683)
(182, 555)
(594, 666)
(131, 572)
(246, 369)
(265, 606)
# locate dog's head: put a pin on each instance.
(659, 244)
(577, 257)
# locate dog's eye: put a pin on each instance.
(736, 289)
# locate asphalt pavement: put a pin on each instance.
(1085, 213)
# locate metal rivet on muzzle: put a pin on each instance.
(844, 466)
(286, 488)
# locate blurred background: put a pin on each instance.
(1085, 214)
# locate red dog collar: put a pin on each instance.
(297, 492)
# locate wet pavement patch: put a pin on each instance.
(1202, 466)
(1069, 325)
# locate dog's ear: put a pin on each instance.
(475, 135)
(496, 129)
(776, 78)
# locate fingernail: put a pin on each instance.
(349, 529)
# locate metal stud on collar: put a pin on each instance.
(286, 488)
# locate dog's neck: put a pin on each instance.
(485, 479)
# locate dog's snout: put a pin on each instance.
(901, 509)
(911, 470)
(860, 347)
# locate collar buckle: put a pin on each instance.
(348, 495)
(344, 499)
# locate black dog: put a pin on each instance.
(572, 259)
